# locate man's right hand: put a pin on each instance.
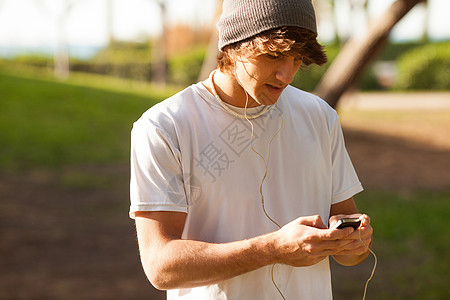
(307, 240)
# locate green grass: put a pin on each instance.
(412, 239)
(48, 123)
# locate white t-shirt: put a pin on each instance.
(189, 155)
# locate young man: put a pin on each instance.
(236, 181)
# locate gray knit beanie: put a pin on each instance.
(242, 19)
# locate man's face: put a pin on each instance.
(265, 76)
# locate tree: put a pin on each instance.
(109, 20)
(61, 55)
(210, 61)
(337, 39)
(358, 53)
(160, 50)
(426, 22)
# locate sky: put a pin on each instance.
(410, 27)
(38, 23)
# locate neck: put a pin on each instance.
(230, 91)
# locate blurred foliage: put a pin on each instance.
(121, 59)
(393, 51)
(124, 53)
(411, 66)
(308, 76)
(369, 81)
(135, 71)
(35, 60)
(185, 68)
(424, 68)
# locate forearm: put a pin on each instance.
(171, 262)
(186, 263)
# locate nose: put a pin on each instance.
(287, 69)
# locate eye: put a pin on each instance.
(273, 55)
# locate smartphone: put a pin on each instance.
(348, 222)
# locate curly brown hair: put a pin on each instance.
(288, 40)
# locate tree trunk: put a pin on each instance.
(210, 61)
(426, 23)
(109, 21)
(61, 53)
(357, 54)
(61, 57)
(160, 49)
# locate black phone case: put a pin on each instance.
(349, 223)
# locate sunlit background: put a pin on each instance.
(76, 74)
(87, 25)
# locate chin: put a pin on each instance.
(269, 95)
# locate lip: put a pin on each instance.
(274, 90)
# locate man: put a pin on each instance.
(236, 181)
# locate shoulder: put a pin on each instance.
(174, 110)
(304, 99)
(172, 106)
(308, 104)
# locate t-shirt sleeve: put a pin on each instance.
(156, 173)
(345, 181)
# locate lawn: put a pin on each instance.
(64, 201)
(411, 238)
(45, 123)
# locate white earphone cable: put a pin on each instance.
(266, 164)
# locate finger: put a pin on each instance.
(334, 219)
(313, 221)
(367, 240)
(354, 251)
(365, 232)
(360, 233)
(343, 233)
(360, 244)
(349, 250)
(332, 235)
(365, 220)
(355, 247)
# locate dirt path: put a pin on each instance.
(396, 101)
(399, 140)
(389, 162)
(63, 242)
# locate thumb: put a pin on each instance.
(312, 221)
